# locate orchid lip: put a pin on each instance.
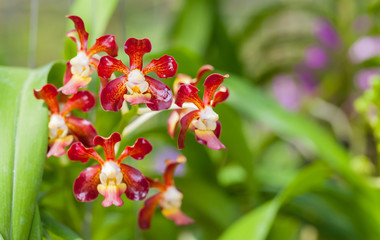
(80, 65)
(136, 82)
(57, 127)
(207, 119)
(172, 198)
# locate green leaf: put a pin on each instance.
(187, 31)
(23, 137)
(36, 231)
(257, 223)
(58, 228)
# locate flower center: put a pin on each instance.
(80, 65)
(57, 127)
(136, 82)
(172, 199)
(207, 119)
(111, 174)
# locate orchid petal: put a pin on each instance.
(49, 94)
(68, 73)
(76, 81)
(211, 84)
(202, 71)
(138, 151)
(137, 185)
(82, 100)
(79, 26)
(164, 67)
(73, 34)
(138, 98)
(185, 122)
(112, 194)
(188, 94)
(104, 44)
(147, 211)
(208, 138)
(170, 169)
(78, 152)
(108, 144)
(112, 94)
(135, 49)
(82, 129)
(109, 65)
(57, 147)
(162, 96)
(220, 96)
(153, 183)
(177, 216)
(85, 186)
(173, 121)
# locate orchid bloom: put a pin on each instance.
(63, 128)
(169, 198)
(203, 121)
(141, 88)
(183, 79)
(110, 177)
(84, 64)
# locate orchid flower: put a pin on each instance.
(141, 88)
(85, 63)
(169, 198)
(110, 177)
(63, 128)
(203, 120)
(183, 79)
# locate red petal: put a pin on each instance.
(164, 67)
(147, 211)
(173, 121)
(73, 35)
(162, 96)
(209, 139)
(177, 216)
(137, 185)
(82, 129)
(82, 100)
(212, 83)
(71, 87)
(68, 74)
(112, 95)
(185, 122)
(104, 44)
(220, 96)
(136, 48)
(138, 98)
(218, 129)
(109, 65)
(57, 147)
(108, 144)
(138, 151)
(188, 93)
(170, 168)
(204, 69)
(153, 183)
(112, 194)
(49, 94)
(85, 186)
(79, 26)
(78, 152)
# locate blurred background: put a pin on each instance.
(301, 159)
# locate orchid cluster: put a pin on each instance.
(111, 177)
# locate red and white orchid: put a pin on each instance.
(110, 177)
(85, 63)
(141, 88)
(63, 128)
(169, 198)
(203, 120)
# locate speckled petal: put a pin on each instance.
(82, 100)
(137, 185)
(82, 129)
(104, 44)
(185, 122)
(112, 95)
(78, 152)
(85, 186)
(49, 94)
(209, 139)
(57, 147)
(108, 144)
(135, 49)
(138, 151)
(220, 96)
(211, 84)
(162, 96)
(147, 211)
(79, 26)
(164, 67)
(188, 94)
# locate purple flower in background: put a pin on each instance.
(167, 152)
(327, 34)
(364, 49)
(315, 57)
(363, 77)
(286, 91)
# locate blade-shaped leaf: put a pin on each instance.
(58, 228)
(23, 141)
